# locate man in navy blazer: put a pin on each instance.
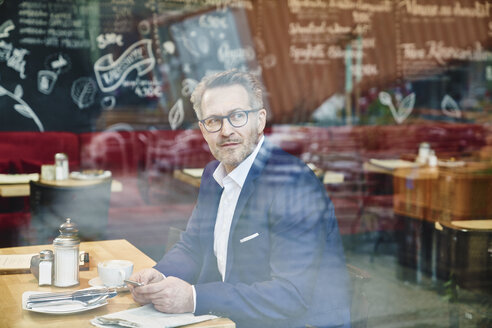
(262, 246)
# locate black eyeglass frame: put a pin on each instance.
(222, 117)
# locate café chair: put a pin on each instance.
(50, 205)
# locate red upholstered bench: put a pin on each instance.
(25, 152)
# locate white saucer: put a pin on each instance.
(97, 282)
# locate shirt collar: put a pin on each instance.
(239, 174)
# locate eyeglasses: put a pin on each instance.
(237, 119)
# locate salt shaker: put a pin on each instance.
(66, 247)
(45, 267)
(61, 166)
(423, 154)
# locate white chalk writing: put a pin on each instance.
(233, 57)
(32, 5)
(438, 51)
(5, 28)
(104, 40)
(296, 6)
(31, 21)
(224, 4)
(108, 102)
(58, 62)
(450, 107)
(361, 17)
(54, 24)
(33, 13)
(83, 92)
(477, 10)
(369, 70)
(110, 73)
(321, 28)
(14, 57)
(169, 47)
(188, 87)
(46, 81)
(405, 107)
(381, 6)
(32, 30)
(212, 22)
(308, 53)
(21, 106)
(146, 88)
(176, 114)
(123, 2)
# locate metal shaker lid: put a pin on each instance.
(60, 156)
(68, 234)
(46, 255)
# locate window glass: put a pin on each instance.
(388, 102)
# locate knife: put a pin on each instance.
(86, 297)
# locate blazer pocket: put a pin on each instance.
(245, 239)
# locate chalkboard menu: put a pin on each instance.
(65, 62)
(68, 64)
(392, 56)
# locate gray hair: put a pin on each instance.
(227, 78)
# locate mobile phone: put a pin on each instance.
(133, 283)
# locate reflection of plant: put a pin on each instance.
(377, 114)
(451, 289)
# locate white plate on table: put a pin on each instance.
(67, 307)
(90, 175)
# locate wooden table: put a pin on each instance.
(12, 286)
(22, 189)
(193, 176)
(463, 250)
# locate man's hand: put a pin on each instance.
(172, 295)
(169, 295)
(146, 276)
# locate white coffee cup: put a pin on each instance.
(113, 272)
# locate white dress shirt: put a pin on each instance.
(232, 184)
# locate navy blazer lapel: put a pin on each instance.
(212, 192)
(246, 192)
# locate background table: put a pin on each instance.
(12, 286)
(22, 189)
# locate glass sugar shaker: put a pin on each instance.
(66, 247)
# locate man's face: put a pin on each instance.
(231, 145)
